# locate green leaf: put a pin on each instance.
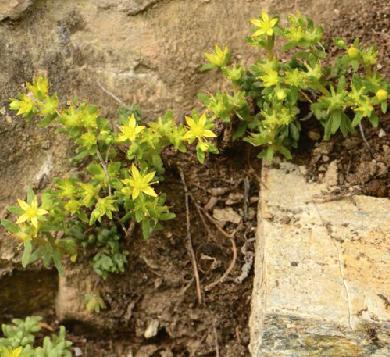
(384, 107)
(30, 194)
(146, 229)
(26, 258)
(10, 226)
(15, 210)
(241, 130)
(356, 120)
(335, 120)
(201, 155)
(57, 262)
(285, 152)
(204, 98)
(207, 67)
(294, 132)
(267, 154)
(374, 120)
(345, 125)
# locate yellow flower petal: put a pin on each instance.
(256, 22)
(209, 134)
(34, 221)
(258, 33)
(202, 120)
(24, 205)
(264, 16)
(149, 191)
(189, 121)
(149, 177)
(135, 193)
(134, 172)
(23, 218)
(41, 212)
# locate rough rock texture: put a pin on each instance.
(13, 9)
(321, 285)
(143, 51)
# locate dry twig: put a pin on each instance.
(112, 95)
(231, 237)
(364, 138)
(189, 240)
(246, 197)
(104, 166)
(216, 338)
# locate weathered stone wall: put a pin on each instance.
(146, 52)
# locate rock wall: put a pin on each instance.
(143, 51)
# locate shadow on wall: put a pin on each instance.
(28, 292)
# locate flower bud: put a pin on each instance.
(381, 95)
(353, 52)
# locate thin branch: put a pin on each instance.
(364, 138)
(216, 338)
(228, 270)
(307, 117)
(246, 197)
(104, 166)
(112, 95)
(189, 240)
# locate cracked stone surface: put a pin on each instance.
(321, 285)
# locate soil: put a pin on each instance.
(362, 167)
(159, 283)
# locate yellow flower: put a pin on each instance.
(265, 25)
(31, 212)
(24, 106)
(381, 95)
(353, 52)
(270, 78)
(197, 129)
(88, 139)
(219, 57)
(72, 206)
(13, 353)
(138, 184)
(88, 193)
(270, 73)
(130, 131)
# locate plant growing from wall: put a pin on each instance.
(19, 340)
(296, 79)
(113, 186)
(118, 167)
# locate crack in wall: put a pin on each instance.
(340, 261)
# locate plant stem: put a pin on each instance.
(104, 166)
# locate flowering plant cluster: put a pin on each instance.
(113, 187)
(19, 340)
(118, 166)
(266, 100)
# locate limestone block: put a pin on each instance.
(322, 280)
